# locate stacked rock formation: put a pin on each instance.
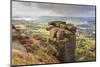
(20, 39)
(63, 36)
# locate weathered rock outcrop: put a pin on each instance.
(63, 36)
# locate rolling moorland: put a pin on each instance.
(43, 51)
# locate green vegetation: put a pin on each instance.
(41, 32)
(85, 49)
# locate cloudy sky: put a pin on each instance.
(44, 9)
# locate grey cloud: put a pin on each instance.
(69, 9)
(33, 9)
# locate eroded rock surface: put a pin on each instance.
(63, 36)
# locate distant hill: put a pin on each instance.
(52, 18)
